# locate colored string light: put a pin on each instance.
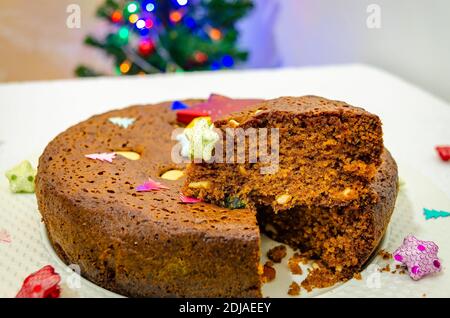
(150, 7)
(132, 7)
(123, 33)
(125, 67)
(146, 47)
(140, 24)
(215, 66)
(182, 2)
(215, 34)
(175, 16)
(116, 16)
(149, 23)
(133, 18)
(227, 61)
(200, 57)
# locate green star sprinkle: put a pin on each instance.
(21, 178)
(199, 140)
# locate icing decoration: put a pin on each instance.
(177, 105)
(434, 214)
(150, 185)
(41, 284)
(185, 199)
(21, 178)
(198, 141)
(131, 155)
(123, 122)
(106, 156)
(172, 175)
(215, 107)
(444, 152)
(420, 257)
(4, 236)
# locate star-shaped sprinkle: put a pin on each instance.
(215, 107)
(177, 105)
(434, 214)
(444, 152)
(41, 284)
(198, 140)
(4, 236)
(105, 156)
(185, 199)
(21, 178)
(150, 185)
(420, 257)
(123, 122)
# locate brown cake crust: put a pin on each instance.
(141, 244)
(150, 244)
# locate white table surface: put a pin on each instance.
(414, 122)
(31, 114)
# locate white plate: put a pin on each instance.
(30, 249)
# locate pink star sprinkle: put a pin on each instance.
(420, 257)
(185, 199)
(5, 237)
(150, 185)
(106, 156)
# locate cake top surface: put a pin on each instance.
(109, 189)
(306, 106)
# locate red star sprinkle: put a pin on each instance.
(42, 284)
(215, 107)
(150, 185)
(185, 199)
(444, 152)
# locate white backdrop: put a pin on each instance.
(413, 40)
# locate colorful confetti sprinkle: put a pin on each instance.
(434, 214)
(150, 185)
(216, 106)
(123, 122)
(41, 284)
(4, 236)
(177, 105)
(106, 156)
(444, 152)
(21, 178)
(185, 199)
(420, 257)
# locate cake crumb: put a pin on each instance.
(277, 253)
(357, 276)
(294, 289)
(386, 268)
(269, 273)
(385, 254)
(294, 264)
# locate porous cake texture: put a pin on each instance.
(341, 182)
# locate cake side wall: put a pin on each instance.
(135, 263)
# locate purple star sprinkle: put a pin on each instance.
(420, 257)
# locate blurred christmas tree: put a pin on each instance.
(152, 36)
